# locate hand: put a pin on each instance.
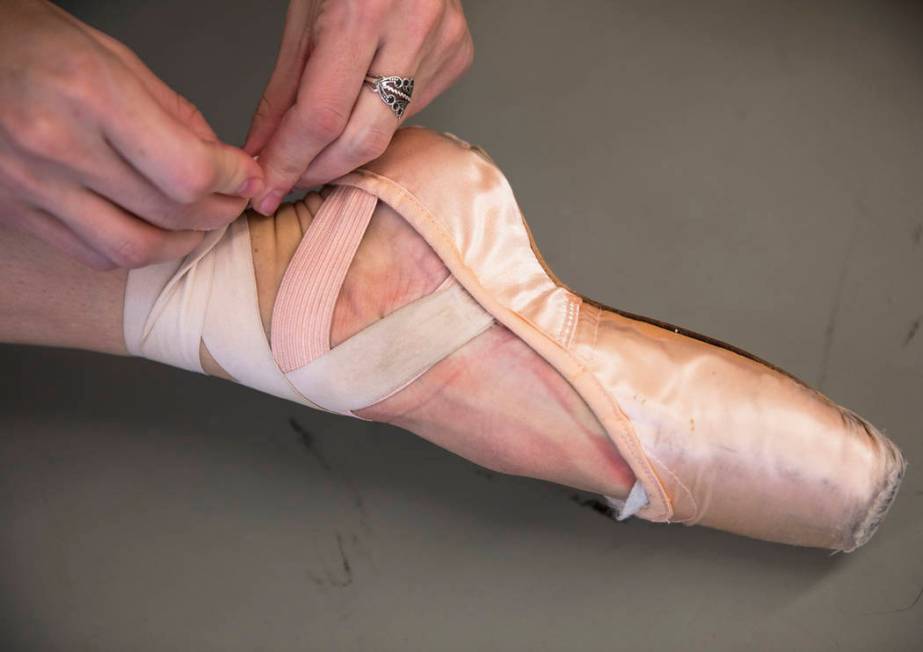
(100, 158)
(316, 120)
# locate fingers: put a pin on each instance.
(96, 152)
(182, 165)
(111, 177)
(425, 39)
(170, 100)
(49, 229)
(54, 203)
(134, 193)
(282, 89)
(368, 133)
(118, 237)
(211, 204)
(330, 84)
(37, 166)
(372, 123)
(442, 77)
(443, 64)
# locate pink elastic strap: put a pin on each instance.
(303, 313)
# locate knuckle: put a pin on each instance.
(365, 15)
(118, 47)
(425, 15)
(192, 182)
(465, 59)
(370, 144)
(419, 24)
(80, 80)
(326, 121)
(186, 111)
(41, 135)
(334, 18)
(456, 30)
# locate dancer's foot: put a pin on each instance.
(700, 432)
(494, 401)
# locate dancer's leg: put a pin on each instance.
(494, 401)
(51, 300)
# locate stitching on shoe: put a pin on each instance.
(566, 334)
(695, 505)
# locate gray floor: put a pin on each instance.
(750, 170)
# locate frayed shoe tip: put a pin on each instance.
(883, 500)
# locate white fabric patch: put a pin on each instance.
(634, 503)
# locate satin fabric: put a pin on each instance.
(713, 437)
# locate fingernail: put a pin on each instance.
(270, 202)
(250, 188)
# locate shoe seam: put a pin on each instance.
(691, 520)
(567, 330)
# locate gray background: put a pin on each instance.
(750, 170)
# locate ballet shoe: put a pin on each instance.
(713, 435)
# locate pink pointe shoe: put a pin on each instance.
(714, 436)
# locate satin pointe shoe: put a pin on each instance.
(713, 435)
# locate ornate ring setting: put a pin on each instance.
(393, 90)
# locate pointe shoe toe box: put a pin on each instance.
(740, 445)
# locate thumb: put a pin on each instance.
(235, 172)
(232, 169)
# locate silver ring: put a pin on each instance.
(393, 90)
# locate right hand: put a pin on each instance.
(98, 156)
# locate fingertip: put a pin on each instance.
(251, 188)
(240, 175)
(267, 204)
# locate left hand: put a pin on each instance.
(317, 120)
